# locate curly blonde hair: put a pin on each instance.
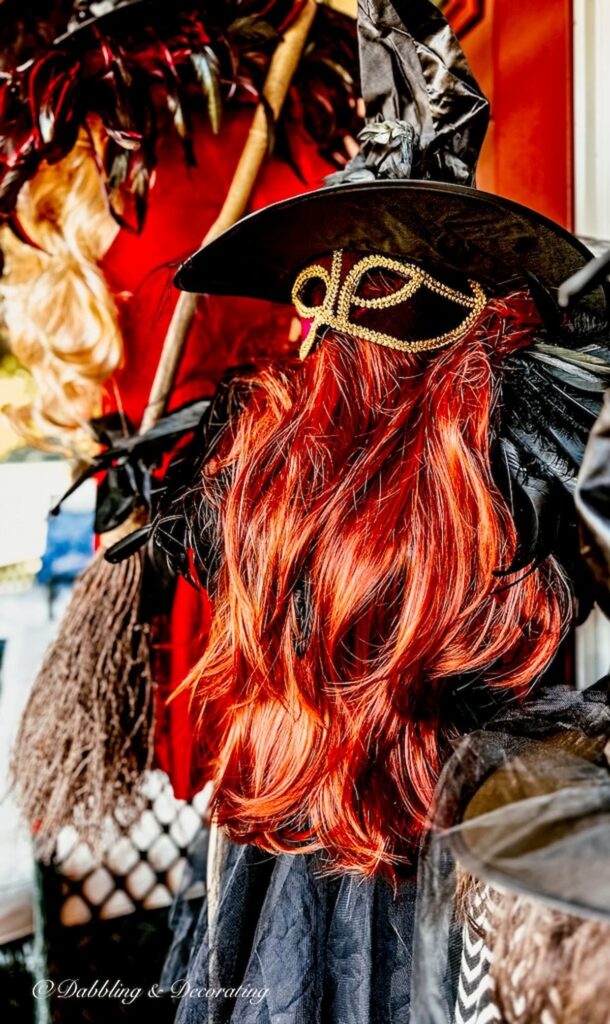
(60, 317)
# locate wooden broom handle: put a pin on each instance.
(281, 70)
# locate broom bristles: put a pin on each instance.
(86, 737)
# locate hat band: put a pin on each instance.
(341, 298)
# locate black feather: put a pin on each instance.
(540, 457)
(534, 417)
(185, 526)
(551, 396)
(581, 405)
(56, 79)
(303, 607)
(127, 546)
(546, 304)
(529, 500)
(506, 469)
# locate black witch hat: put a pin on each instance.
(408, 193)
(426, 116)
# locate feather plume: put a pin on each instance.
(551, 396)
(123, 70)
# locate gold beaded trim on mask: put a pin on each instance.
(334, 311)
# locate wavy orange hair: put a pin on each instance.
(358, 483)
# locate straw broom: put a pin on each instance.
(86, 736)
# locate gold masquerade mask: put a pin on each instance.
(329, 297)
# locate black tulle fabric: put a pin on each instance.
(524, 807)
(324, 950)
(298, 947)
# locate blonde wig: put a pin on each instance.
(60, 317)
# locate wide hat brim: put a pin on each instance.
(441, 227)
(101, 12)
(539, 827)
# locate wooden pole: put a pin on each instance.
(281, 71)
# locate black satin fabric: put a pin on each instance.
(593, 504)
(291, 946)
(414, 72)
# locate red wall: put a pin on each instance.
(521, 54)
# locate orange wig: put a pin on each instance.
(360, 531)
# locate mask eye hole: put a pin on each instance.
(312, 293)
(379, 283)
